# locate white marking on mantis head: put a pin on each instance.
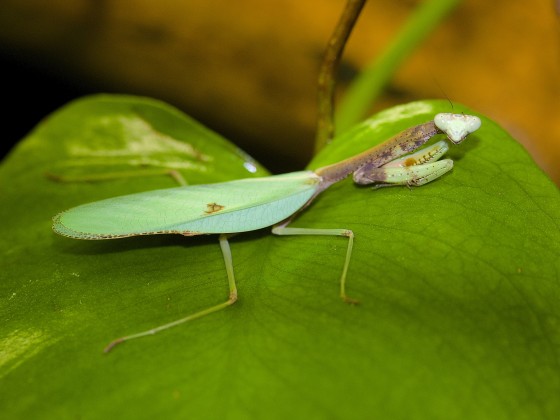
(457, 126)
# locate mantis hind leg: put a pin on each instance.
(226, 252)
(285, 231)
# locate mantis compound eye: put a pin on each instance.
(457, 126)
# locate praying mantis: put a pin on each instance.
(244, 205)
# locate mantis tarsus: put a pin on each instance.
(250, 204)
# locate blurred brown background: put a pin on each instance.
(248, 68)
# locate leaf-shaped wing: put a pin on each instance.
(235, 206)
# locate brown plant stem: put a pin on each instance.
(329, 67)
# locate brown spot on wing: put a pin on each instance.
(213, 208)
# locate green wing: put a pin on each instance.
(235, 206)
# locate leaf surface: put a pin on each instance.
(458, 279)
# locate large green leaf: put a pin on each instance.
(459, 283)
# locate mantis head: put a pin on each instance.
(457, 126)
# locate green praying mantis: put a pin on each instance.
(233, 207)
